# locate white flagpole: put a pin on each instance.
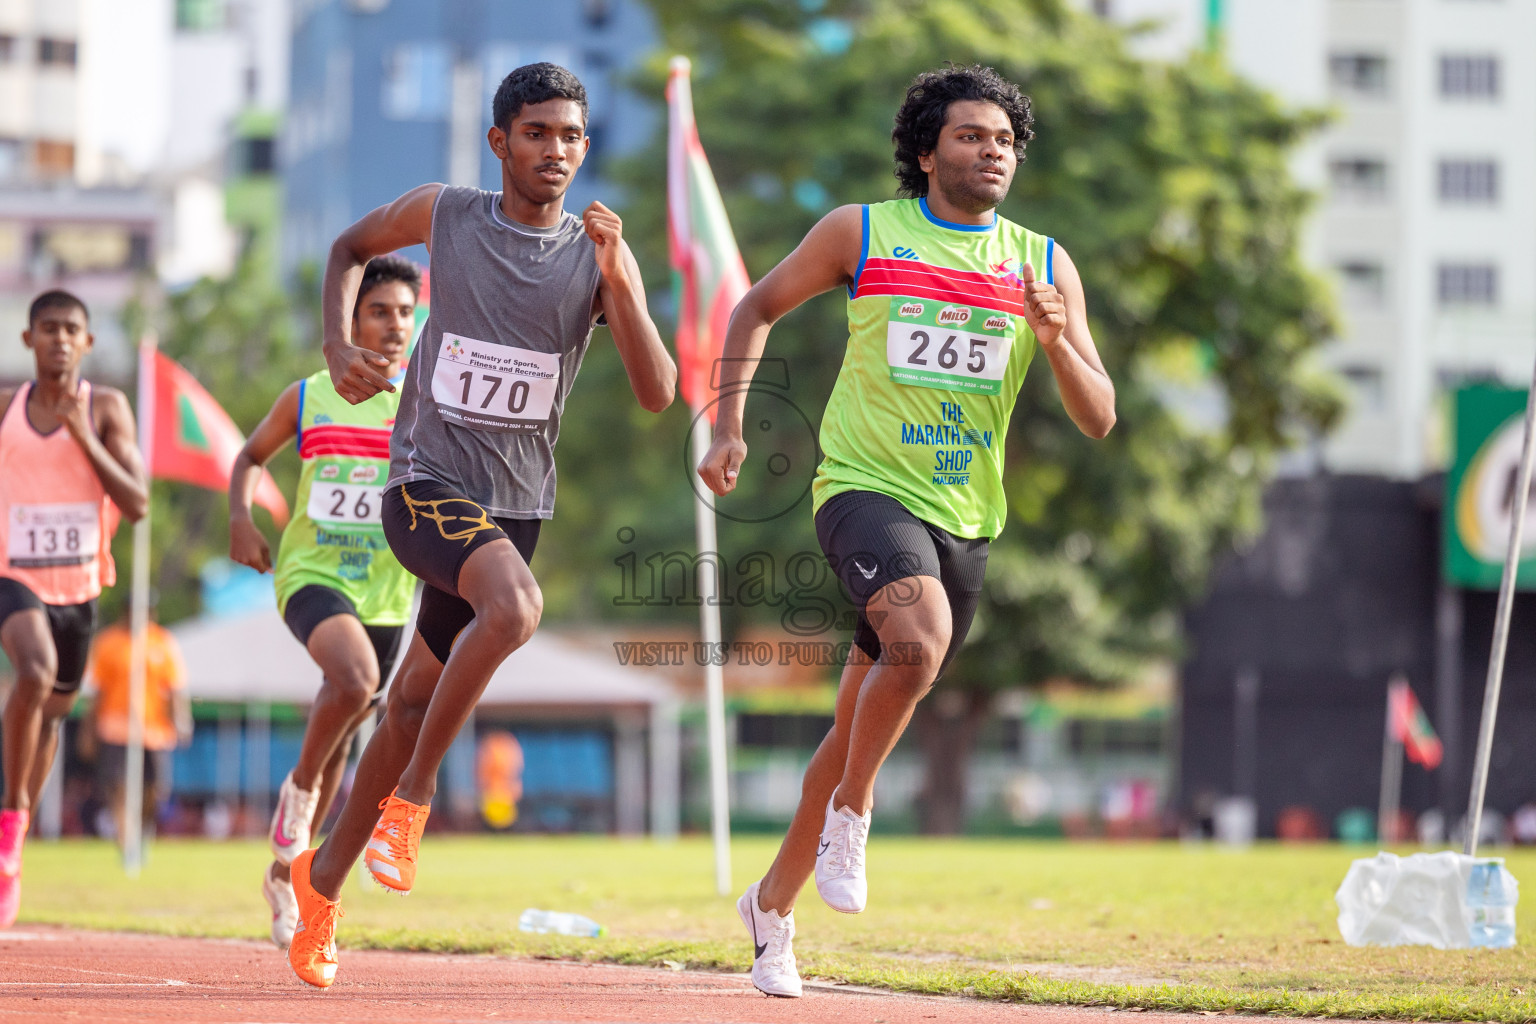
(714, 679)
(133, 786)
(1500, 630)
(1391, 773)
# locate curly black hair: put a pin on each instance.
(922, 115)
(385, 270)
(535, 83)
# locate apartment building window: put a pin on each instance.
(1364, 283)
(1368, 386)
(56, 52)
(1360, 73)
(597, 12)
(1469, 77)
(1358, 178)
(416, 82)
(1468, 284)
(200, 15)
(53, 159)
(1469, 181)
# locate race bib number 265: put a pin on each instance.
(948, 346)
(494, 387)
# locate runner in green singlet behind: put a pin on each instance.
(339, 588)
(947, 304)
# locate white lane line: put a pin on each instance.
(155, 983)
(167, 983)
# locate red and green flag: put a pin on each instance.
(1411, 728)
(708, 275)
(190, 438)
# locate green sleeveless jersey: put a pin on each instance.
(336, 536)
(937, 349)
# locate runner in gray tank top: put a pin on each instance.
(517, 286)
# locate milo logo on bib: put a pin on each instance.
(948, 347)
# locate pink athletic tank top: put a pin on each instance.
(56, 521)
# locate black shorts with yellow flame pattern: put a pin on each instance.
(432, 530)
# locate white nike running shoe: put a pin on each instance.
(285, 907)
(290, 830)
(840, 860)
(773, 954)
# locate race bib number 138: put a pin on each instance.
(494, 387)
(948, 346)
(68, 533)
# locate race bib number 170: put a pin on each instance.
(494, 387)
(948, 346)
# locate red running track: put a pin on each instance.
(59, 974)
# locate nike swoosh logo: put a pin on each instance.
(869, 574)
(758, 948)
(823, 849)
(280, 835)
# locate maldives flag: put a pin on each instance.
(707, 273)
(187, 436)
(1411, 728)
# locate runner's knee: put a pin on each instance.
(36, 674)
(352, 686)
(512, 614)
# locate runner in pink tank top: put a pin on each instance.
(68, 463)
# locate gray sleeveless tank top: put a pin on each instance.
(511, 318)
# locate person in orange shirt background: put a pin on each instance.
(167, 717)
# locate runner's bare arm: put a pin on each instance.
(406, 221)
(827, 257)
(246, 543)
(112, 447)
(652, 374)
(1058, 314)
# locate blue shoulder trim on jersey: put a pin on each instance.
(298, 435)
(863, 253)
(399, 378)
(1050, 261)
(922, 204)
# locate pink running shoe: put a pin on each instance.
(13, 829)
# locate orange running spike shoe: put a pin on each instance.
(391, 853)
(312, 953)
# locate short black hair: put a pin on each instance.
(386, 270)
(923, 113)
(56, 298)
(535, 83)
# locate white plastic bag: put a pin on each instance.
(1420, 900)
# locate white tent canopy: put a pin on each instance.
(255, 658)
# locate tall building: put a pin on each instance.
(39, 83)
(1426, 225)
(386, 95)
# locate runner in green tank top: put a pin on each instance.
(339, 588)
(947, 303)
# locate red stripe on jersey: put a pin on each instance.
(356, 442)
(925, 281)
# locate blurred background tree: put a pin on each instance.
(1168, 183)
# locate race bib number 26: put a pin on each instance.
(948, 346)
(494, 387)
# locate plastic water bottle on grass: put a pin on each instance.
(558, 922)
(1491, 897)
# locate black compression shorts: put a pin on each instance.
(71, 625)
(871, 541)
(432, 529)
(312, 604)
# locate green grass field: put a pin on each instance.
(1159, 926)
